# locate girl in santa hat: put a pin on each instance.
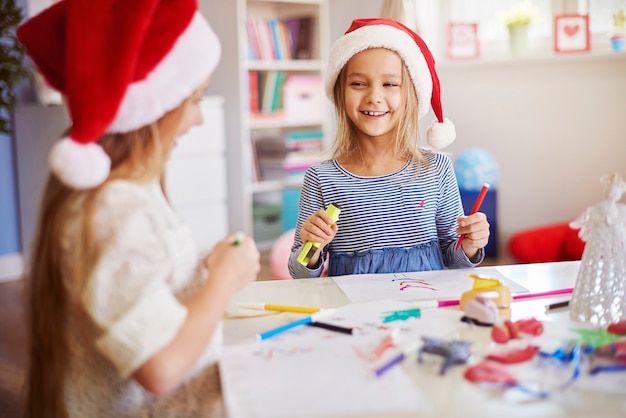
(400, 203)
(124, 317)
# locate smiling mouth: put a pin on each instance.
(374, 113)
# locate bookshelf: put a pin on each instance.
(283, 50)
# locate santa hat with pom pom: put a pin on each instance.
(120, 65)
(387, 33)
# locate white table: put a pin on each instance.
(451, 394)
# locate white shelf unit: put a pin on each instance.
(255, 192)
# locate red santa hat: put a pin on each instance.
(387, 33)
(120, 65)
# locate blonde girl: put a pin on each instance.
(124, 316)
(400, 203)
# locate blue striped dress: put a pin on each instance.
(398, 222)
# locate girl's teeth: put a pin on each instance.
(374, 113)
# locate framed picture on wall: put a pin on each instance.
(571, 33)
(463, 40)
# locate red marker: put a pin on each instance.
(479, 201)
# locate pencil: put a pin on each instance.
(332, 327)
(307, 320)
(477, 203)
(282, 308)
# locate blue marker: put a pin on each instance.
(307, 320)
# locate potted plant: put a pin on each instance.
(618, 36)
(11, 59)
(516, 20)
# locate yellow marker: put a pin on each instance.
(310, 247)
(282, 308)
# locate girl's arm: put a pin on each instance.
(230, 267)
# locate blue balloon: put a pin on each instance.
(476, 166)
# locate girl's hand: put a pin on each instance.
(476, 230)
(318, 227)
(236, 263)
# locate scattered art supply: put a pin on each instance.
(483, 283)
(333, 210)
(402, 315)
(397, 359)
(273, 307)
(332, 327)
(557, 305)
(453, 352)
(388, 342)
(286, 327)
(479, 201)
(481, 310)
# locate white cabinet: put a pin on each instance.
(195, 178)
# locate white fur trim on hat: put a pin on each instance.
(382, 36)
(171, 82)
(440, 135)
(79, 166)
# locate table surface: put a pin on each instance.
(451, 395)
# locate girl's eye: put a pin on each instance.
(357, 83)
(391, 85)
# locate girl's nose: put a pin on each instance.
(374, 95)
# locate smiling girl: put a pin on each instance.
(400, 203)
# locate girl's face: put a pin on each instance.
(192, 115)
(373, 92)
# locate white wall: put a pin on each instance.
(555, 127)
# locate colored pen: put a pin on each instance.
(454, 302)
(389, 341)
(332, 327)
(395, 360)
(333, 210)
(479, 201)
(557, 305)
(307, 320)
(239, 237)
(282, 308)
(434, 303)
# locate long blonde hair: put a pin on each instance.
(135, 156)
(406, 144)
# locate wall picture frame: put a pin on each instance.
(571, 33)
(463, 40)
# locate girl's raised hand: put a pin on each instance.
(319, 227)
(234, 259)
(475, 228)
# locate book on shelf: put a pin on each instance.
(281, 39)
(266, 90)
(253, 85)
(288, 156)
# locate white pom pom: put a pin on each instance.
(80, 166)
(440, 135)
